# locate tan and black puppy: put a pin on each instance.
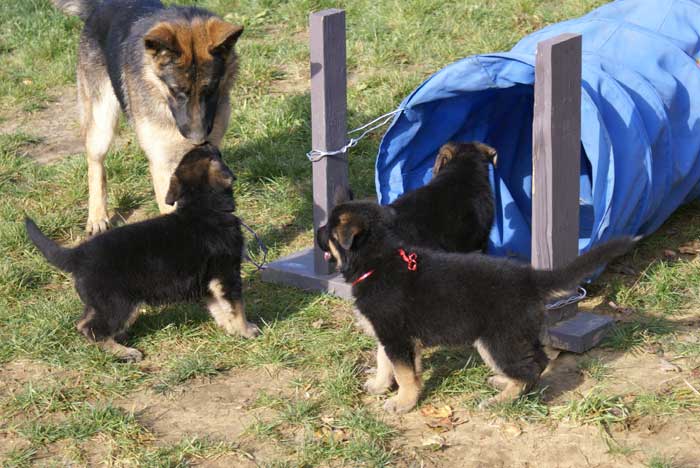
(192, 253)
(414, 297)
(169, 69)
(454, 211)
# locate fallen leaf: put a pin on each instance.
(27, 82)
(654, 348)
(429, 411)
(317, 324)
(512, 430)
(668, 366)
(441, 425)
(434, 442)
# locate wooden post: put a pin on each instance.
(556, 153)
(328, 115)
(556, 156)
(307, 269)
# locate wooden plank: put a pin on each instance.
(328, 115)
(297, 270)
(556, 154)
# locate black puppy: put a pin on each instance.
(192, 253)
(415, 297)
(454, 211)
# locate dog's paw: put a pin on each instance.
(498, 381)
(398, 406)
(250, 330)
(131, 355)
(374, 387)
(96, 226)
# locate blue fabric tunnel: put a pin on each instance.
(640, 115)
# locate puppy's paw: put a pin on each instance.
(131, 355)
(250, 330)
(375, 387)
(96, 226)
(498, 381)
(398, 406)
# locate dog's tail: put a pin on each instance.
(80, 8)
(58, 256)
(555, 282)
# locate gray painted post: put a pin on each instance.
(328, 115)
(556, 153)
(306, 269)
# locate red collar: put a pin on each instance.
(363, 277)
(410, 259)
(411, 263)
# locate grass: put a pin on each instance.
(65, 402)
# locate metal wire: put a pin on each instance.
(261, 245)
(569, 300)
(316, 155)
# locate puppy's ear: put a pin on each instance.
(219, 175)
(445, 155)
(174, 191)
(342, 195)
(222, 36)
(488, 151)
(348, 228)
(161, 42)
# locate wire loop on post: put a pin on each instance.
(568, 300)
(316, 155)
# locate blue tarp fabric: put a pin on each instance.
(640, 114)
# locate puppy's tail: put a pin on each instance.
(553, 283)
(80, 8)
(58, 256)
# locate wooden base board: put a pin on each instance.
(580, 333)
(298, 270)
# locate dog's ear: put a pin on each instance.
(488, 151)
(222, 36)
(349, 226)
(342, 194)
(220, 176)
(161, 42)
(174, 191)
(445, 155)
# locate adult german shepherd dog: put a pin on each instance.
(169, 69)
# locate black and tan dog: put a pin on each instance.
(454, 211)
(415, 297)
(192, 253)
(169, 69)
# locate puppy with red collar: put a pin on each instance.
(414, 297)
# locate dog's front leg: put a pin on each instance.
(403, 363)
(384, 378)
(161, 171)
(226, 307)
(100, 113)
